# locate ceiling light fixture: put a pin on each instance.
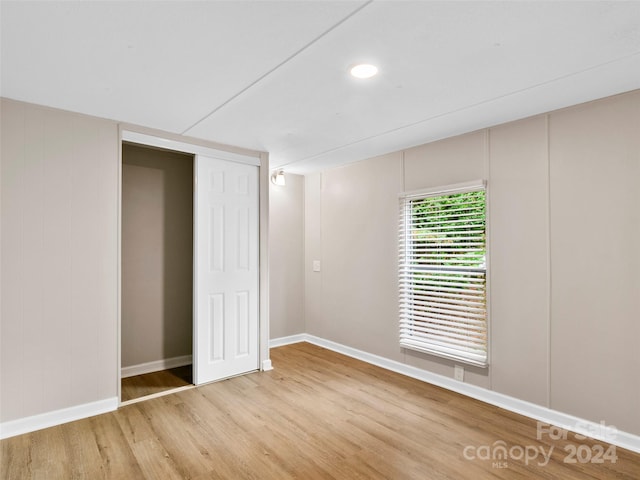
(363, 70)
(277, 178)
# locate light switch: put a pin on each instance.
(316, 265)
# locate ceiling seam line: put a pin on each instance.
(458, 110)
(286, 60)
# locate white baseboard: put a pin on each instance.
(266, 365)
(156, 366)
(57, 417)
(552, 417)
(279, 342)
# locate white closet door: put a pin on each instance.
(226, 235)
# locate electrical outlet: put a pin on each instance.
(316, 265)
(458, 373)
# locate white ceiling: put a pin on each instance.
(273, 76)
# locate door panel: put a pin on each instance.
(225, 269)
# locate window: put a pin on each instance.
(442, 260)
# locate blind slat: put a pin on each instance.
(461, 341)
(451, 301)
(434, 320)
(409, 295)
(449, 309)
(467, 355)
(417, 283)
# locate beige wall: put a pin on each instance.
(286, 252)
(359, 244)
(519, 247)
(157, 255)
(313, 292)
(595, 260)
(59, 190)
(564, 231)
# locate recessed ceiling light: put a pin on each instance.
(363, 70)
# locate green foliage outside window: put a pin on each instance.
(445, 230)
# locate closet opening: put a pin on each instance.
(156, 271)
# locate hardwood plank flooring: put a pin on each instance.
(317, 415)
(156, 382)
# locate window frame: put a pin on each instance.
(405, 245)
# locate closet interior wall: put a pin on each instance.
(157, 255)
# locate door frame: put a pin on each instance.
(159, 139)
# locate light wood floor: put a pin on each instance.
(156, 382)
(318, 415)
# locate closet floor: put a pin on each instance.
(156, 382)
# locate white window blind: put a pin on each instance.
(442, 260)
